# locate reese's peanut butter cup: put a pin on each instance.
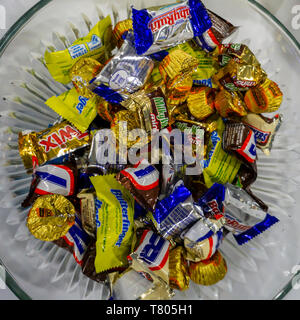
(230, 103)
(208, 272)
(200, 102)
(51, 217)
(265, 97)
(178, 269)
(120, 29)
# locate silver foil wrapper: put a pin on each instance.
(126, 72)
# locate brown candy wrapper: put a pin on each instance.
(200, 102)
(266, 97)
(246, 175)
(230, 103)
(142, 181)
(51, 217)
(240, 139)
(208, 272)
(178, 268)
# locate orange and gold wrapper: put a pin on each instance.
(176, 66)
(230, 103)
(82, 72)
(51, 217)
(179, 93)
(208, 272)
(36, 148)
(178, 269)
(239, 76)
(120, 28)
(200, 102)
(264, 98)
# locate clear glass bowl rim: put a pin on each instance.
(19, 24)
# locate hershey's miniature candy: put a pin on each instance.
(142, 181)
(82, 72)
(210, 271)
(51, 217)
(151, 106)
(94, 45)
(229, 103)
(178, 268)
(175, 213)
(114, 235)
(200, 102)
(76, 240)
(239, 138)
(156, 29)
(264, 129)
(124, 74)
(244, 216)
(36, 148)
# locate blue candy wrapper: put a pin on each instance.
(159, 29)
(211, 202)
(175, 213)
(244, 217)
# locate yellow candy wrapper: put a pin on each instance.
(220, 166)
(94, 45)
(114, 216)
(77, 109)
(36, 148)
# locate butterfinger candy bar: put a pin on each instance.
(36, 148)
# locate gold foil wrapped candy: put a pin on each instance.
(51, 217)
(200, 102)
(82, 72)
(208, 272)
(266, 97)
(119, 30)
(230, 103)
(178, 269)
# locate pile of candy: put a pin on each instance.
(144, 223)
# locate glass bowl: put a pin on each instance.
(265, 268)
